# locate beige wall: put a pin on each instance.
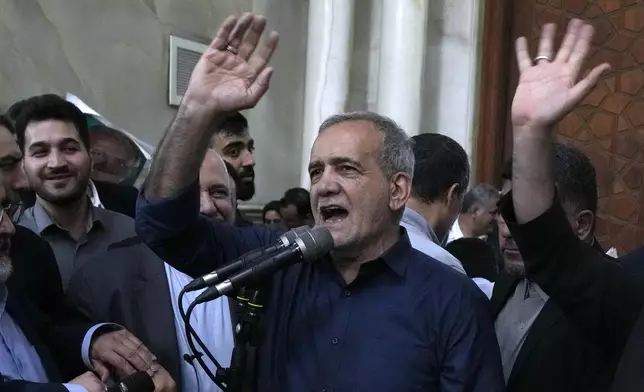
(113, 54)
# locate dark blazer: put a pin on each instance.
(114, 197)
(594, 292)
(35, 273)
(554, 356)
(58, 346)
(128, 285)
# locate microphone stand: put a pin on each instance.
(249, 335)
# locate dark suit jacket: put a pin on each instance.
(114, 197)
(554, 356)
(35, 273)
(594, 292)
(128, 285)
(56, 344)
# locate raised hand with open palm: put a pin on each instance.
(232, 74)
(548, 90)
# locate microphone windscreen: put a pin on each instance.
(315, 243)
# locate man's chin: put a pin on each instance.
(245, 192)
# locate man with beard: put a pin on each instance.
(541, 348)
(37, 352)
(53, 136)
(233, 142)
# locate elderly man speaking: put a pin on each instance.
(373, 315)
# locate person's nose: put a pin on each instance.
(327, 185)
(248, 159)
(503, 228)
(56, 159)
(206, 205)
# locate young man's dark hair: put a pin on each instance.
(300, 198)
(50, 107)
(441, 177)
(233, 124)
(440, 163)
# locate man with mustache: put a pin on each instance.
(541, 348)
(53, 136)
(233, 142)
(374, 314)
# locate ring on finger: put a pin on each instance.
(231, 49)
(539, 58)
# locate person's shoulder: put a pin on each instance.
(441, 278)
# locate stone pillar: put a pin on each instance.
(402, 51)
(328, 63)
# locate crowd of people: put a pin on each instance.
(431, 285)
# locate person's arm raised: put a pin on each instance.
(594, 292)
(231, 75)
(546, 92)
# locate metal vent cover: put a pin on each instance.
(184, 55)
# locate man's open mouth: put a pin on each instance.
(333, 213)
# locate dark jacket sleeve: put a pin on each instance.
(35, 273)
(27, 386)
(64, 340)
(593, 290)
(190, 242)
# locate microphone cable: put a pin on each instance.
(190, 334)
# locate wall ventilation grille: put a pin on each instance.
(184, 55)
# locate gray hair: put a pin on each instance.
(479, 195)
(396, 154)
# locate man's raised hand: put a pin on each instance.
(548, 90)
(233, 73)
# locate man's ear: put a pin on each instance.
(584, 223)
(400, 190)
(452, 196)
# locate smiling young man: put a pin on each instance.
(53, 136)
(374, 314)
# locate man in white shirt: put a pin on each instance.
(478, 213)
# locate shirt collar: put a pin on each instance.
(92, 192)
(43, 220)
(416, 220)
(397, 257)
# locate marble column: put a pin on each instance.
(328, 63)
(402, 51)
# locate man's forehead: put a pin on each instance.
(51, 131)
(353, 139)
(223, 139)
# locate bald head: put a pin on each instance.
(217, 195)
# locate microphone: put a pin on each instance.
(137, 382)
(244, 261)
(309, 246)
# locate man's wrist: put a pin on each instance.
(531, 133)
